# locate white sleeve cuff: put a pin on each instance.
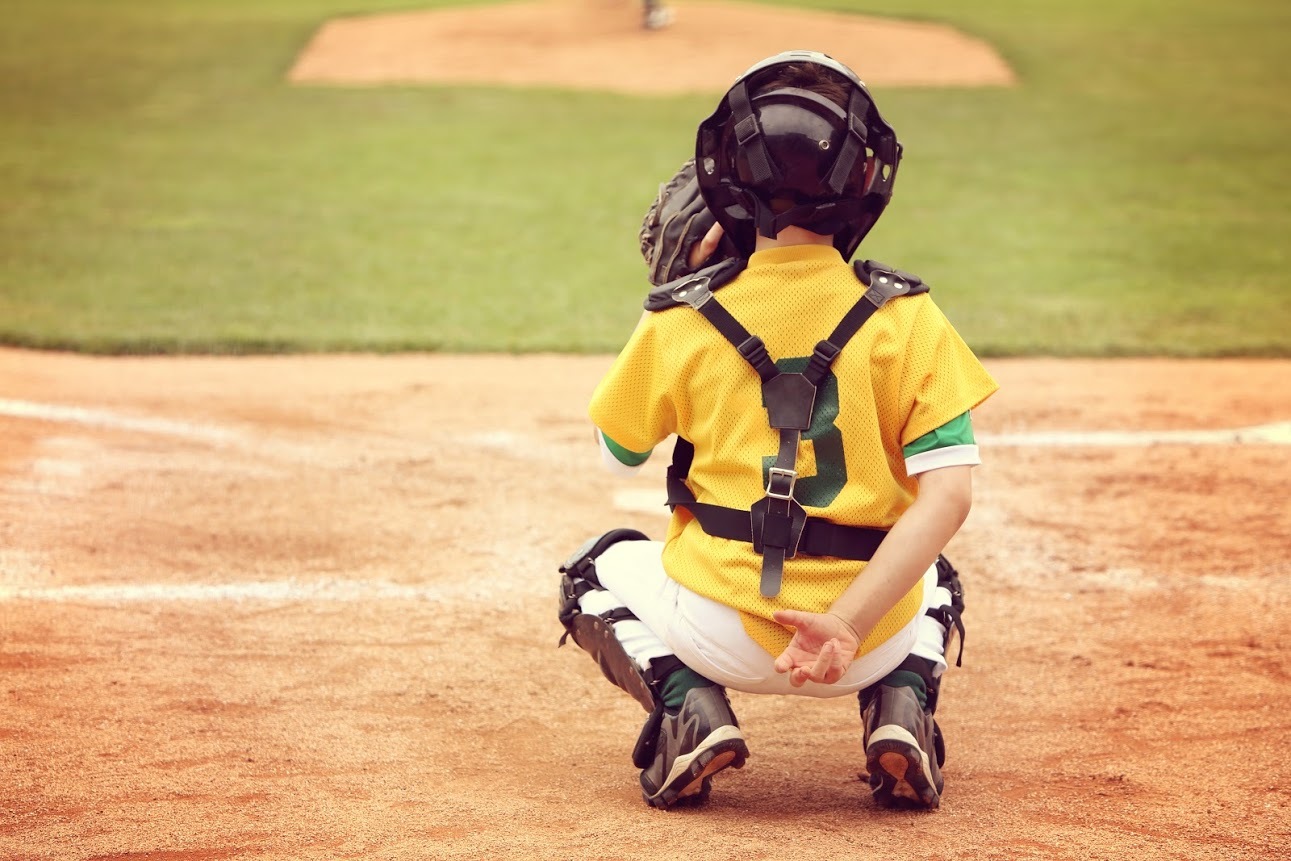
(612, 463)
(951, 455)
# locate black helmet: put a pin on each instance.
(770, 158)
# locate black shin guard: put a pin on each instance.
(594, 634)
(951, 617)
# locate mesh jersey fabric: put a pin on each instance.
(905, 373)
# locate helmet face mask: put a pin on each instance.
(775, 154)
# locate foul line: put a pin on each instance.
(115, 421)
(340, 591)
(626, 499)
(651, 501)
(1276, 433)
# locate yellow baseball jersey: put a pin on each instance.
(905, 373)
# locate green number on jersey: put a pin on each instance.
(821, 489)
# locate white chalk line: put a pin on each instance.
(116, 421)
(1274, 433)
(366, 591)
(268, 591)
(650, 501)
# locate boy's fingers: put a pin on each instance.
(820, 668)
(704, 249)
(787, 617)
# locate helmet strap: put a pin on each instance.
(749, 134)
(858, 110)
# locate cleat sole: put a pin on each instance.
(691, 776)
(899, 771)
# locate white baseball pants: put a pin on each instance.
(710, 638)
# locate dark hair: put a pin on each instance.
(805, 76)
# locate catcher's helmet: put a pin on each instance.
(774, 155)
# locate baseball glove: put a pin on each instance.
(675, 223)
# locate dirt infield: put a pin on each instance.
(303, 607)
(600, 45)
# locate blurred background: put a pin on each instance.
(164, 188)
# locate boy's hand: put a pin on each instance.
(705, 248)
(821, 650)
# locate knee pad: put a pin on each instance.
(593, 633)
(583, 561)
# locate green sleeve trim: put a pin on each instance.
(623, 455)
(957, 431)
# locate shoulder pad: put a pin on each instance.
(886, 282)
(711, 277)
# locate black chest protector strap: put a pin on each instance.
(777, 525)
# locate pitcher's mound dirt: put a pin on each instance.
(601, 45)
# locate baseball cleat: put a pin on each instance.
(694, 744)
(899, 736)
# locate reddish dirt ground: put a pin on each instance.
(304, 607)
(600, 45)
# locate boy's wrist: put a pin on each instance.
(851, 626)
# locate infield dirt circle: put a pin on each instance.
(304, 608)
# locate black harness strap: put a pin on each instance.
(698, 296)
(749, 134)
(777, 525)
(858, 110)
(820, 537)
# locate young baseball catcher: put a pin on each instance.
(823, 456)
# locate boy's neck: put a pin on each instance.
(792, 236)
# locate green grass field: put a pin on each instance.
(163, 189)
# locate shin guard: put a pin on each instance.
(594, 633)
(950, 616)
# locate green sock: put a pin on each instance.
(907, 679)
(678, 684)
